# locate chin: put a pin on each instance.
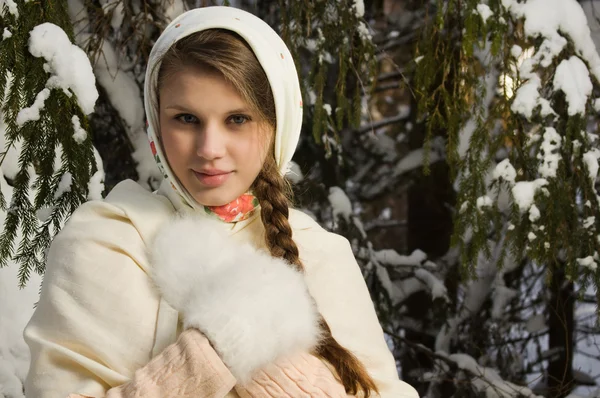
(214, 198)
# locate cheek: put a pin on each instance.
(175, 144)
(254, 152)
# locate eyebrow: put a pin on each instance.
(184, 109)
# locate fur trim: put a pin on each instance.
(252, 307)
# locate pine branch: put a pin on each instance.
(25, 237)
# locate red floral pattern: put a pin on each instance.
(238, 210)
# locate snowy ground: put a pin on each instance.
(16, 307)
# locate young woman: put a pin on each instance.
(212, 286)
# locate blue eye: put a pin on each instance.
(239, 119)
(186, 118)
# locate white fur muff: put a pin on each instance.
(252, 307)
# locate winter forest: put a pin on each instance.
(455, 143)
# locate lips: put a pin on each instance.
(212, 177)
(213, 172)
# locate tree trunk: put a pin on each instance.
(561, 326)
(430, 198)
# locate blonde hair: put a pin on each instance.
(225, 52)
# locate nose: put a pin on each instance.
(210, 142)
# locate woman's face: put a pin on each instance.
(214, 143)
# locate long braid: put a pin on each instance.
(270, 188)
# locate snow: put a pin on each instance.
(79, 17)
(590, 159)
(146, 166)
(43, 213)
(491, 382)
(33, 112)
(173, 8)
(64, 185)
(363, 31)
(436, 286)
(124, 94)
(546, 107)
(327, 109)
(464, 136)
(413, 160)
(491, 81)
(16, 308)
(484, 201)
(516, 51)
(589, 222)
(6, 34)
(549, 49)
(340, 203)
(573, 78)
(80, 134)
(524, 192)
(96, 184)
(534, 213)
(116, 7)
(531, 236)
(549, 157)
(549, 18)
(501, 296)
(12, 7)
(535, 323)
(68, 64)
(506, 171)
(10, 165)
(485, 11)
(122, 90)
(576, 146)
(386, 214)
(359, 6)
(588, 262)
(294, 173)
(597, 104)
(527, 96)
(360, 227)
(583, 378)
(391, 257)
(312, 97)
(394, 291)
(476, 293)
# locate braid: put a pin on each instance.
(271, 188)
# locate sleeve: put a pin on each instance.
(95, 321)
(335, 281)
(296, 376)
(189, 367)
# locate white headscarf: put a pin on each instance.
(271, 52)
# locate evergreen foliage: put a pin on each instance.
(342, 46)
(49, 151)
(449, 83)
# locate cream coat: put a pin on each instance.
(100, 317)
